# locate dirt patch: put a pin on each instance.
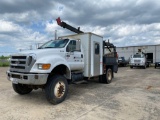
(131, 95)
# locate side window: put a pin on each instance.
(71, 46)
(74, 45)
(96, 47)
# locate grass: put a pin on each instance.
(4, 64)
(4, 61)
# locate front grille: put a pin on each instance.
(18, 67)
(19, 57)
(21, 63)
(137, 61)
(18, 63)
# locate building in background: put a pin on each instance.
(152, 51)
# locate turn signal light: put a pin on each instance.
(44, 66)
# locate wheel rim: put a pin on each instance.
(109, 75)
(59, 89)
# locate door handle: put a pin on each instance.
(67, 55)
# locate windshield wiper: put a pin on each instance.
(44, 47)
(48, 47)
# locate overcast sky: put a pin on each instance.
(126, 23)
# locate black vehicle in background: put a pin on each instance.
(157, 64)
(122, 61)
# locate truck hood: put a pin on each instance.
(42, 52)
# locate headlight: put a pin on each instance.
(142, 61)
(44, 66)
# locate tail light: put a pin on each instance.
(117, 55)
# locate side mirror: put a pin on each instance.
(68, 49)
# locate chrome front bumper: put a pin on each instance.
(30, 79)
(137, 64)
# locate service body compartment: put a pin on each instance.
(91, 45)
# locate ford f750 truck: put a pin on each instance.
(58, 62)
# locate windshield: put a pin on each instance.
(54, 44)
(138, 56)
(121, 58)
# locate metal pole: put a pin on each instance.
(55, 34)
(155, 53)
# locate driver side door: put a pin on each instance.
(74, 56)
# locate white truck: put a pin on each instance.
(58, 62)
(140, 59)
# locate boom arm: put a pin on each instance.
(67, 26)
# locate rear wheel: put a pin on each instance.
(56, 89)
(21, 89)
(109, 76)
(155, 66)
(106, 78)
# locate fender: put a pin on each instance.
(54, 60)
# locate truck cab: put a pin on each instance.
(43, 60)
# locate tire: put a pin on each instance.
(109, 76)
(155, 66)
(131, 67)
(21, 89)
(125, 64)
(144, 67)
(56, 89)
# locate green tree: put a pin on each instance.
(2, 57)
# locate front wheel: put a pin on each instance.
(56, 89)
(21, 89)
(131, 67)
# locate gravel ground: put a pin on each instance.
(134, 94)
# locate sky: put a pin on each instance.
(26, 23)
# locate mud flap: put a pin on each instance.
(115, 68)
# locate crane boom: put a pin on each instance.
(67, 26)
